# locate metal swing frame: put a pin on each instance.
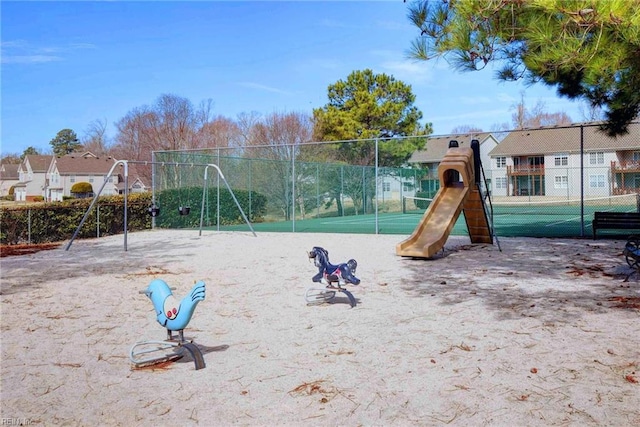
(126, 163)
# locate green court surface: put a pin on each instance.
(508, 222)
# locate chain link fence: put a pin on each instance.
(544, 182)
(293, 189)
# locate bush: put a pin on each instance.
(254, 206)
(82, 190)
(55, 222)
(82, 187)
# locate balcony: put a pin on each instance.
(632, 166)
(525, 170)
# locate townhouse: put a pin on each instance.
(436, 148)
(51, 178)
(8, 177)
(32, 174)
(548, 162)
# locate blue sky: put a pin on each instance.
(67, 64)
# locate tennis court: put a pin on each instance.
(516, 219)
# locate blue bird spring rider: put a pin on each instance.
(173, 315)
(333, 276)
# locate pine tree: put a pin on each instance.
(586, 49)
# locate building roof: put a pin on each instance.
(436, 147)
(9, 171)
(553, 140)
(82, 164)
(38, 162)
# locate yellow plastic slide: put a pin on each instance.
(457, 183)
(433, 230)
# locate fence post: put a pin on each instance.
(293, 190)
(581, 181)
(29, 226)
(342, 190)
(218, 196)
(376, 215)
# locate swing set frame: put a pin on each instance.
(126, 163)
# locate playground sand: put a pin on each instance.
(543, 333)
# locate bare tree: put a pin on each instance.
(591, 113)
(466, 129)
(135, 137)
(95, 137)
(277, 138)
(523, 117)
(175, 123)
(247, 123)
(221, 132)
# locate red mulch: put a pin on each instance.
(13, 250)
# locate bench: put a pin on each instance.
(615, 221)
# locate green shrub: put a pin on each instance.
(82, 187)
(55, 222)
(254, 206)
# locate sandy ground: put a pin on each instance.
(544, 332)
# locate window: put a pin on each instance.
(596, 181)
(561, 182)
(406, 187)
(596, 158)
(501, 182)
(561, 160)
(72, 178)
(636, 156)
(501, 162)
(386, 186)
(90, 179)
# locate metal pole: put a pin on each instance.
(204, 191)
(218, 196)
(363, 191)
(376, 215)
(293, 190)
(220, 175)
(318, 191)
(581, 181)
(126, 197)
(153, 187)
(342, 189)
(93, 202)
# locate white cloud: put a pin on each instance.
(473, 115)
(265, 88)
(22, 52)
(475, 100)
(29, 59)
(506, 98)
(327, 64)
(408, 71)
